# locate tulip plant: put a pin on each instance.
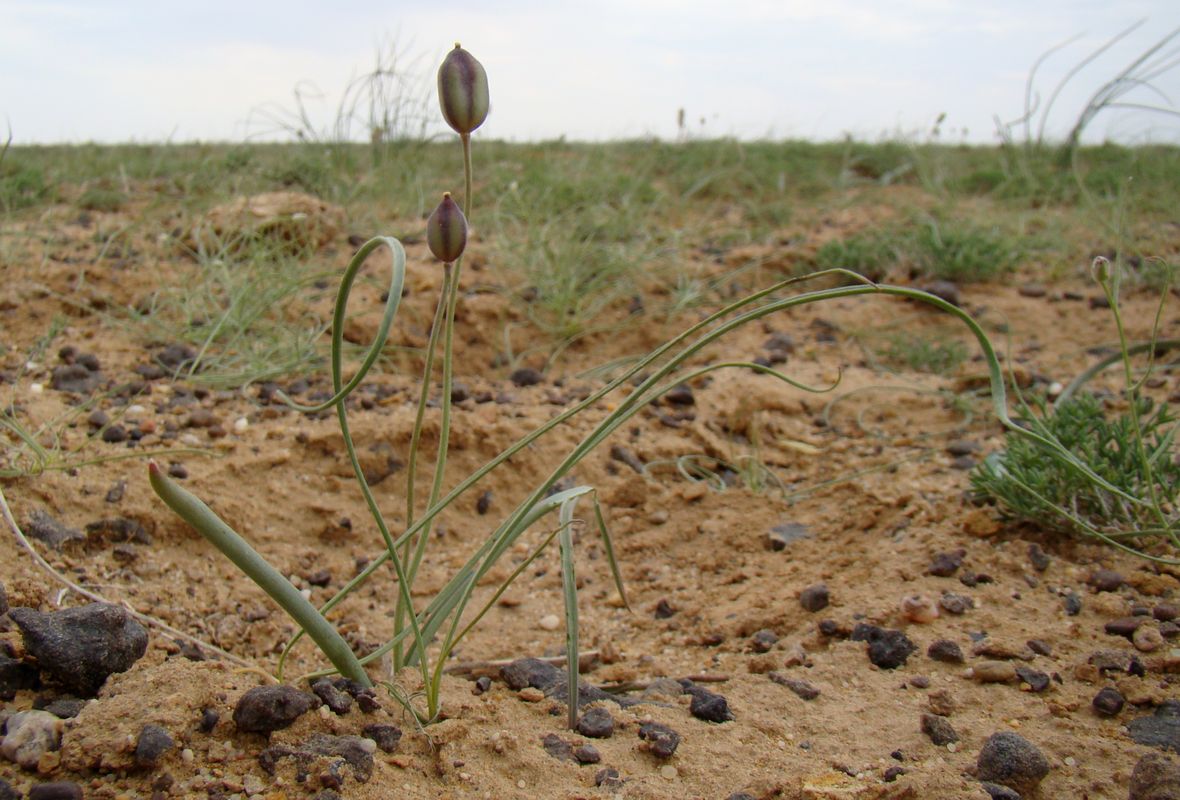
(464, 100)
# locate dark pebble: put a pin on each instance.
(484, 503)
(680, 395)
(661, 740)
(1169, 629)
(7, 792)
(597, 723)
(762, 641)
(1011, 760)
(530, 672)
(46, 529)
(557, 747)
(962, 447)
(973, 579)
(893, 773)
(153, 743)
(1099, 301)
(209, 719)
(482, 684)
(1037, 681)
(1072, 604)
(997, 792)
(1124, 626)
(801, 688)
(1032, 290)
(176, 356)
(15, 676)
(963, 463)
(269, 708)
(177, 470)
(944, 290)
(815, 598)
(59, 790)
(62, 707)
(114, 434)
(920, 682)
(956, 603)
(1155, 777)
(1038, 558)
(1040, 647)
(587, 754)
(939, 729)
(1140, 611)
(337, 701)
(887, 649)
(832, 629)
(943, 565)
(321, 578)
(354, 750)
(526, 376)
(116, 492)
(1165, 612)
(709, 706)
(608, 777)
(74, 378)
(1161, 729)
(387, 737)
(459, 393)
(98, 419)
(741, 796)
(119, 529)
(1105, 580)
(1108, 702)
(80, 647)
(664, 609)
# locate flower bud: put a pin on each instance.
(446, 230)
(463, 91)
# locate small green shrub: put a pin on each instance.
(870, 254)
(962, 253)
(920, 354)
(100, 198)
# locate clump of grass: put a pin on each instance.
(921, 354)
(102, 198)
(1134, 504)
(871, 254)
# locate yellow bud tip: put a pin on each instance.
(458, 46)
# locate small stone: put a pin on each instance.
(680, 395)
(945, 290)
(709, 706)
(482, 684)
(1155, 777)
(801, 688)
(531, 694)
(887, 649)
(814, 598)
(945, 650)
(1161, 729)
(65, 707)
(941, 702)
(1105, 580)
(587, 754)
(1040, 647)
(778, 537)
(1035, 680)
(7, 792)
(994, 671)
(557, 747)
(962, 447)
(918, 608)
(58, 790)
(30, 735)
(1108, 702)
(44, 528)
(1147, 638)
(956, 603)
(1124, 626)
(1032, 290)
(1011, 760)
(939, 729)
(549, 622)
(608, 777)
(114, 434)
(153, 742)
(387, 737)
(660, 740)
(664, 609)
(80, 647)
(177, 470)
(270, 708)
(338, 702)
(75, 379)
(597, 723)
(209, 719)
(1037, 557)
(1165, 612)
(762, 641)
(946, 564)
(15, 675)
(1072, 604)
(526, 376)
(997, 792)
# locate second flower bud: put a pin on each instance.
(446, 230)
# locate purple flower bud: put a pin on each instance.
(446, 230)
(463, 91)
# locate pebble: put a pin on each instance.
(1035, 680)
(58, 790)
(994, 671)
(956, 603)
(1037, 557)
(939, 729)
(1105, 580)
(80, 647)
(669, 772)
(1161, 729)
(944, 565)
(526, 376)
(1108, 702)
(338, 702)
(708, 706)
(680, 395)
(1011, 760)
(801, 688)
(387, 737)
(209, 719)
(945, 650)
(270, 708)
(7, 792)
(1124, 626)
(918, 608)
(241, 424)
(1155, 777)
(1040, 647)
(151, 745)
(778, 537)
(887, 649)
(597, 723)
(44, 528)
(815, 598)
(997, 792)
(549, 622)
(1072, 604)
(762, 641)
(531, 694)
(1032, 290)
(608, 777)
(1165, 612)
(1147, 638)
(356, 751)
(15, 675)
(660, 740)
(587, 754)
(75, 379)
(30, 735)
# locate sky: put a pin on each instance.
(73, 71)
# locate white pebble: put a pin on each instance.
(1070, 761)
(668, 771)
(549, 622)
(135, 410)
(306, 593)
(186, 755)
(36, 388)
(521, 784)
(240, 424)
(952, 747)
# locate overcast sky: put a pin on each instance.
(814, 69)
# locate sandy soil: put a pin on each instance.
(701, 570)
